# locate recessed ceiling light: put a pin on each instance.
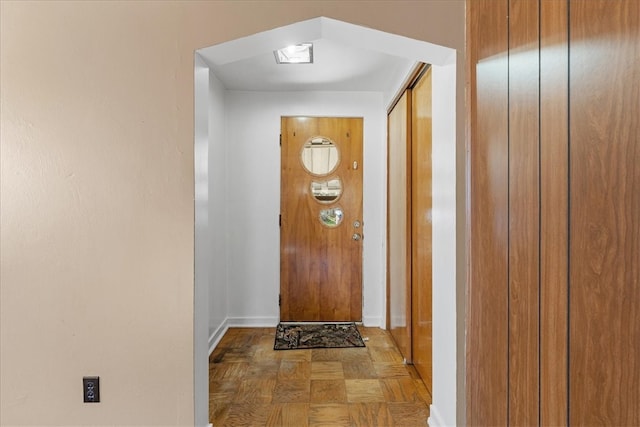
(296, 54)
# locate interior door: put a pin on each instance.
(321, 227)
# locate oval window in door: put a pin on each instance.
(331, 217)
(320, 156)
(326, 191)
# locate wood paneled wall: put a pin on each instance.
(604, 232)
(553, 300)
(488, 291)
(524, 211)
(554, 205)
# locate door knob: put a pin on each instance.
(356, 236)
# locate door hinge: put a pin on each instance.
(279, 300)
(280, 220)
(280, 140)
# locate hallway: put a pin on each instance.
(253, 385)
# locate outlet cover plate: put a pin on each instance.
(91, 389)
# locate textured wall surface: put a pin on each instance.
(97, 187)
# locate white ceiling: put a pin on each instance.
(335, 68)
(346, 58)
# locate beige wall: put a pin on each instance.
(97, 193)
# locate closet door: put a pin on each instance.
(604, 212)
(399, 225)
(421, 227)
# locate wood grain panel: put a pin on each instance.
(399, 225)
(487, 297)
(604, 212)
(524, 199)
(554, 198)
(421, 226)
(321, 267)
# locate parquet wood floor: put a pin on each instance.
(253, 385)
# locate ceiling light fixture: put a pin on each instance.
(296, 54)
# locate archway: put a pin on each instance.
(219, 191)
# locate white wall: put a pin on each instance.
(217, 235)
(253, 196)
(201, 235)
(443, 407)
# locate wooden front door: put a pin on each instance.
(321, 219)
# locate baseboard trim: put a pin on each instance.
(435, 420)
(252, 322)
(217, 335)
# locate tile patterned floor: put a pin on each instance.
(253, 385)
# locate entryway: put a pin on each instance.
(241, 129)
